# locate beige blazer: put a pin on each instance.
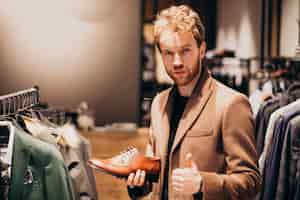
(218, 129)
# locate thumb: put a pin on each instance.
(189, 162)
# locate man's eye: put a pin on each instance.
(167, 53)
(186, 50)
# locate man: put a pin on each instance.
(202, 130)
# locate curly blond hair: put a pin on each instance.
(179, 18)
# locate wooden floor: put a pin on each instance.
(105, 145)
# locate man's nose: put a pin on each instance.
(177, 60)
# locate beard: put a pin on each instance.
(189, 74)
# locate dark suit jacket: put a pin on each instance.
(265, 111)
(289, 171)
(273, 160)
(42, 163)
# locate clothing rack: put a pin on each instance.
(19, 101)
(231, 71)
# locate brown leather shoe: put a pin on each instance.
(128, 162)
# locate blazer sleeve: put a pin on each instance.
(242, 179)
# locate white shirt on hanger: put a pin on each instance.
(7, 153)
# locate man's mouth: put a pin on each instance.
(179, 72)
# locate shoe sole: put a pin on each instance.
(150, 177)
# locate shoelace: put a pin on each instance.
(125, 156)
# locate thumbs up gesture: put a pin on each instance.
(187, 181)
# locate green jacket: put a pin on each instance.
(38, 171)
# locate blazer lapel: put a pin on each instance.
(194, 107)
(21, 157)
(162, 126)
(165, 121)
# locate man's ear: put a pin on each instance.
(202, 50)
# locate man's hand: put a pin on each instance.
(136, 179)
(187, 181)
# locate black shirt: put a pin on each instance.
(178, 106)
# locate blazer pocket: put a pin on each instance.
(200, 133)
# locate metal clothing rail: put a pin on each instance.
(19, 101)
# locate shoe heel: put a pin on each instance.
(153, 177)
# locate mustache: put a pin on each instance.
(182, 69)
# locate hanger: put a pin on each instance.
(38, 113)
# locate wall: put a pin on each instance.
(74, 50)
(238, 26)
(289, 27)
